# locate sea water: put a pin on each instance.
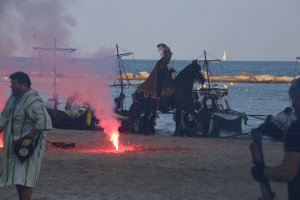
(251, 98)
(254, 99)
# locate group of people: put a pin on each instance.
(196, 120)
(24, 121)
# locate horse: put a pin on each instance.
(183, 96)
(143, 111)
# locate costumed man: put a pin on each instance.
(289, 169)
(152, 86)
(24, 121)
(150, 92)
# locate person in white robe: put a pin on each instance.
(24, 115)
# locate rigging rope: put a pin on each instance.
(200, 56)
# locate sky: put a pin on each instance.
(245, 29)
(255, 30)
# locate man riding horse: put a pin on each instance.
(161, 92)
(150, 92)
(152, 86)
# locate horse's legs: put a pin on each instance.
(147, 120)
(151, 122)
(178, 120)
(134, 114)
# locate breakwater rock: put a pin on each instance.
(242, 78)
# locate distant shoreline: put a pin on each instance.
(146, 59)
(242, 78)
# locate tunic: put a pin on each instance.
(20, 117)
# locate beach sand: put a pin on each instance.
(165, 168)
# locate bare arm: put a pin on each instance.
(287, 170)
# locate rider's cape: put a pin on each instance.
(149, 87)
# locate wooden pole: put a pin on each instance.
(206, 65)
(121, 78)
(55, 73)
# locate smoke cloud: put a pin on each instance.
(28, 22)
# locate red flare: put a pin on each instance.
(114, 138)
(1, 140)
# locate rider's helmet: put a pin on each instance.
(165, 51)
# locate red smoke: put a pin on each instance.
(90, 77)
(28, 23)
(1, 140)
(23, 24)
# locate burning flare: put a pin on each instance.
(114, 138)
(110, 127)
(1, 140)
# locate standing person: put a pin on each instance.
(23, 120)
(289, 170)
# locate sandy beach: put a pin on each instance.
(161, 168)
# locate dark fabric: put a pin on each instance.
(61, 120)
(162, 76)
(292, 144)
(143, 110)
(149, 87)
(221, 123)
(204, 117)
(270, 129)
(257, 172)
(190, 125)
(152, 86)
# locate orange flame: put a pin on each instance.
(1, 140)
(110, 127)
(114, 138)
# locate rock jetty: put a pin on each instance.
(242, 78)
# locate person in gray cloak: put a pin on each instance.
(24, 121)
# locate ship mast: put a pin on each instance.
(55, 95)
(122, 69)
(55, 49)
(206, 66)
(121, 78)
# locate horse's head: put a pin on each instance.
(197, 75)
(184, 83)
(191, 73)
